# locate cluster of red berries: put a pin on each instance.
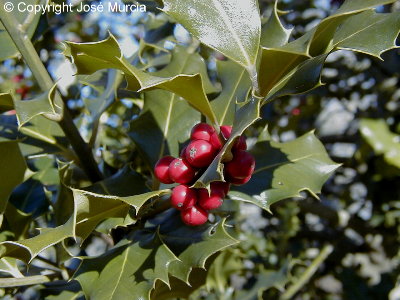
(205, 144)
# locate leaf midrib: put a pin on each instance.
(172, 102)
(359, 31)
(285, 163)
(231, 96)
(120, 274)
(229, 26)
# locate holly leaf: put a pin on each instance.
(283, 170)
(235, 88)
(274, 65)
(129, 271)
(164, 123)
(232, 27)
(85, 216)
(13, 167)
(273, 33)
(10, 266)
(384, 142)
(6, 102)
(17, 221)
(192, 245)
(368, 32)
(42, 105)
(323, 33)
(306, 76)
(39, 134)
(92, 57)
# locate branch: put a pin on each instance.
(305, 277)
(32, 59)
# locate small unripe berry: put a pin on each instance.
(161, 169)
(221, 185)
(241, 166)
(238, 181)
(183, 197)
(180, 171)
(200, 153)
(202, 131)
(194, 216)
(212, 201)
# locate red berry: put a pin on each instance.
(200, 153)
(239, 181)
(180, 171)
(202, 131)
(183, 197)
(194, 216)
(212, 201)
(17, 78)
(226, 131)
(240, 144)
(241, 166)
(161, 169)
(215, 141)
(221, 185)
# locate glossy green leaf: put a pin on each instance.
(273, 33)
(274, 65)
(319, 39)
(89, 210)
(303, 78)
(66, 295)
(8, 48)
(13, 167)
(9, 266)
(46, 171)
(24, 281)
(117, 195)
(45, 134)
(40, 134)
(384, 142)
(283, 170)
(193, 245)
(178, 288)
(324, 31)
(369, 33)
(164, 124)
(232, 27)
(106, 54)
(95, 106)
(6, 103)
(18, 221)
(42, 105)
(27, 250)
(235, 88)
(128, 271)
(90, 213)
(244, 117)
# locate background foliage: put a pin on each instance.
(342, 247)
